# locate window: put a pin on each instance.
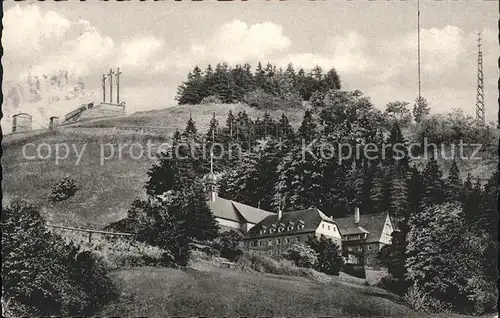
(251, 244)
(300, 226)
(290, 228)
(334, 229)
(287, 240)
(272, 230)
(270, 242)
(280, 229)
(328, 227)
(278, 241)
(323, 225)
(368, 247)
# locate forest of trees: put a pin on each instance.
(269, 169)
(228, 84)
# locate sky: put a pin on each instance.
(372, 45)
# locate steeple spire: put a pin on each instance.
(211, 181)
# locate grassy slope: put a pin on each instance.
(154, 292)
(107, 190)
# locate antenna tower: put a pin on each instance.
(418, 46)
(480, 84)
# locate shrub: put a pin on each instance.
(63, 189)
(262, 100)
(229, 245)
(263, 264)
(330, 260)
(212, 99)
(42, 275)
(302, 255)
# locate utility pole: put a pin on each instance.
(480, 85)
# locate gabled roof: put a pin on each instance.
(251, 214)
(311, 219)
(373, 223)
(237, 212)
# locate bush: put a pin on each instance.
(229, 245)
(212, 99)
(330, 260)
(253, 262)
(302, 255)
(262, 100)
(42, 275)
(63, 189)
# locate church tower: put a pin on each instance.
(211, 182)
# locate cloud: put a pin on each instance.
(345, 53)
(234, 42)
(46, 43)
(139, 53)
(36, 30)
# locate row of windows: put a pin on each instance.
(334, 227)
(278, 241)
(281, 229)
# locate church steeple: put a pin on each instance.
(211, 181)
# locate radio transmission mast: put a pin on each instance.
(480, 84)
(418, 47)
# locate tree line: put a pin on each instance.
(229, 84)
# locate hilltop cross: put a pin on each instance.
(110, 77)
(103, 88)
(118, 73)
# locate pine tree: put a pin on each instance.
(398, 152)
(330, 81)
(190, 131)
(454, 184)
(420, 109)
(241, 183)
(285, 130)
(473, 203)
(200, 221)
(433, 184)
(379, 191)
(415, 191)
(488, 220)
(229, 131)
(307, 130)
(213, 129)
(399, 206)
(176, 139)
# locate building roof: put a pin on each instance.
(21, 114)
(310, 218)
(372, 223)
(237, 212)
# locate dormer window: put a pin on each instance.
(289, 228)
(280, 229)
(272, 230)
(262, 231)
(300, 226)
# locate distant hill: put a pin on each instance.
(107, 189)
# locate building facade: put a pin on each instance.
(363, 236)
(278, 232)
(22, 122)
